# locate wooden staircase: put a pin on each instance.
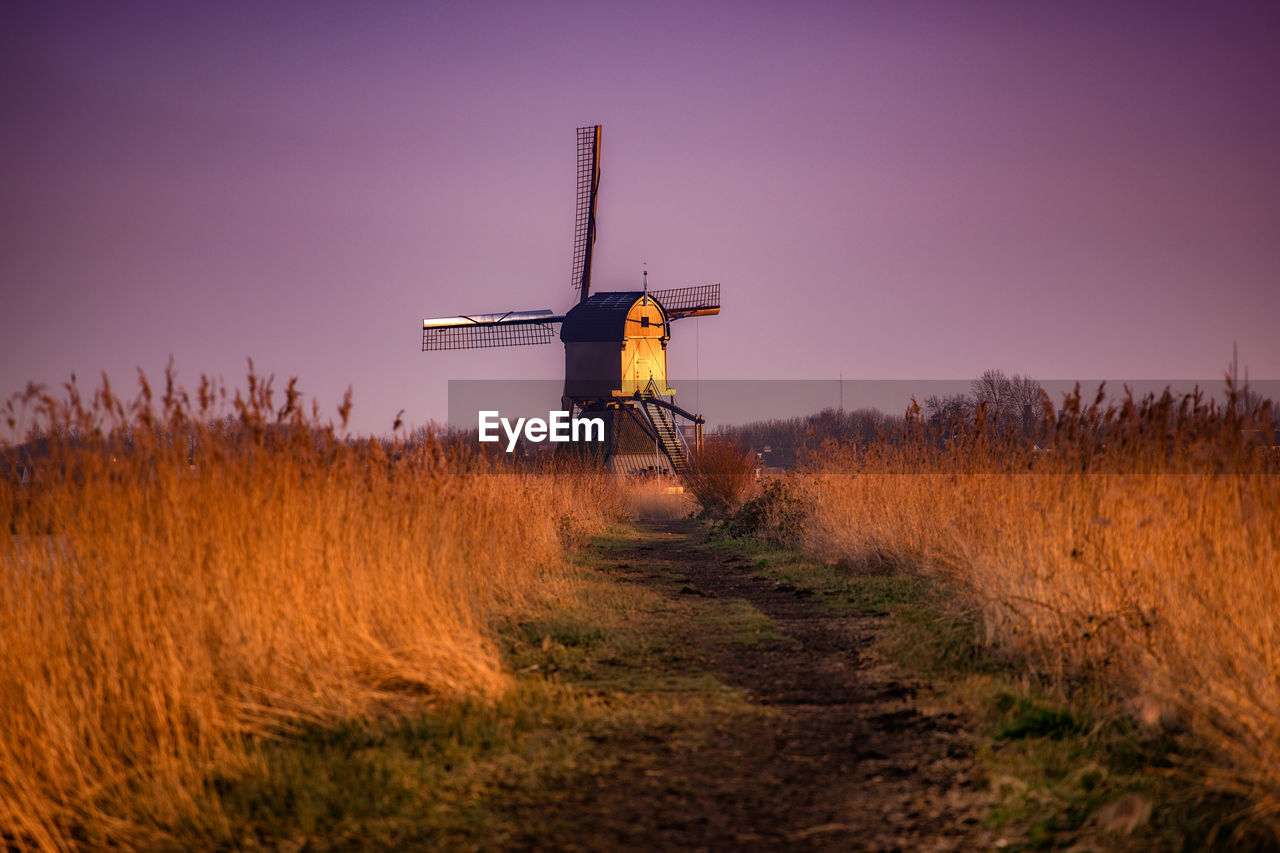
(669, 438)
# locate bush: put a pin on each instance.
(720, 476)
(778, 515)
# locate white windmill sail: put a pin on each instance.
(479, 331)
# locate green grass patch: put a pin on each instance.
(1031, 719)
(738, 621)
(382, 784)
(467, 777)
(933, 639)
(1074, 770)
(928, 633)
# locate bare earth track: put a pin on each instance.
(848, 756)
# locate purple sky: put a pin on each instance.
(884, 190)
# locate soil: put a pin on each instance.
(849, 756)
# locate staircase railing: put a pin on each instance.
(669, 438)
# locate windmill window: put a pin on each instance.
(644, 322)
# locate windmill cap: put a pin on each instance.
(603, 317)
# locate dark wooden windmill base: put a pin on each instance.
(630, 446)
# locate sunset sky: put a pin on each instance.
(885, 190)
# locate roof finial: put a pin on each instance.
(645, 266)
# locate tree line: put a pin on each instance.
(1014, 406)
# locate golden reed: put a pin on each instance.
(174, 583)
(1137, 543)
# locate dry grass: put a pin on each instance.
(1143, 551)
(174, 583)
(658, 500)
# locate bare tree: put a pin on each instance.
(950, 412)
(1011, 401)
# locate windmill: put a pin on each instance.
(615, 344)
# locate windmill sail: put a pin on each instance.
(584, 230)
(699, 301)
(480, 331)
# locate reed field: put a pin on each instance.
(181, 574)
(1135, 545)
(185, 577)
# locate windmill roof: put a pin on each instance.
(603, 317)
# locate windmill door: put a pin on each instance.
(643, 366)
(644, 359)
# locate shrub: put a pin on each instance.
(720, 477)
(778, 515)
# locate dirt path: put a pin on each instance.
(848, 757)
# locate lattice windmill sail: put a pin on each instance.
(615, 343)
(584, 226)
(698, 301)
(479, 331)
